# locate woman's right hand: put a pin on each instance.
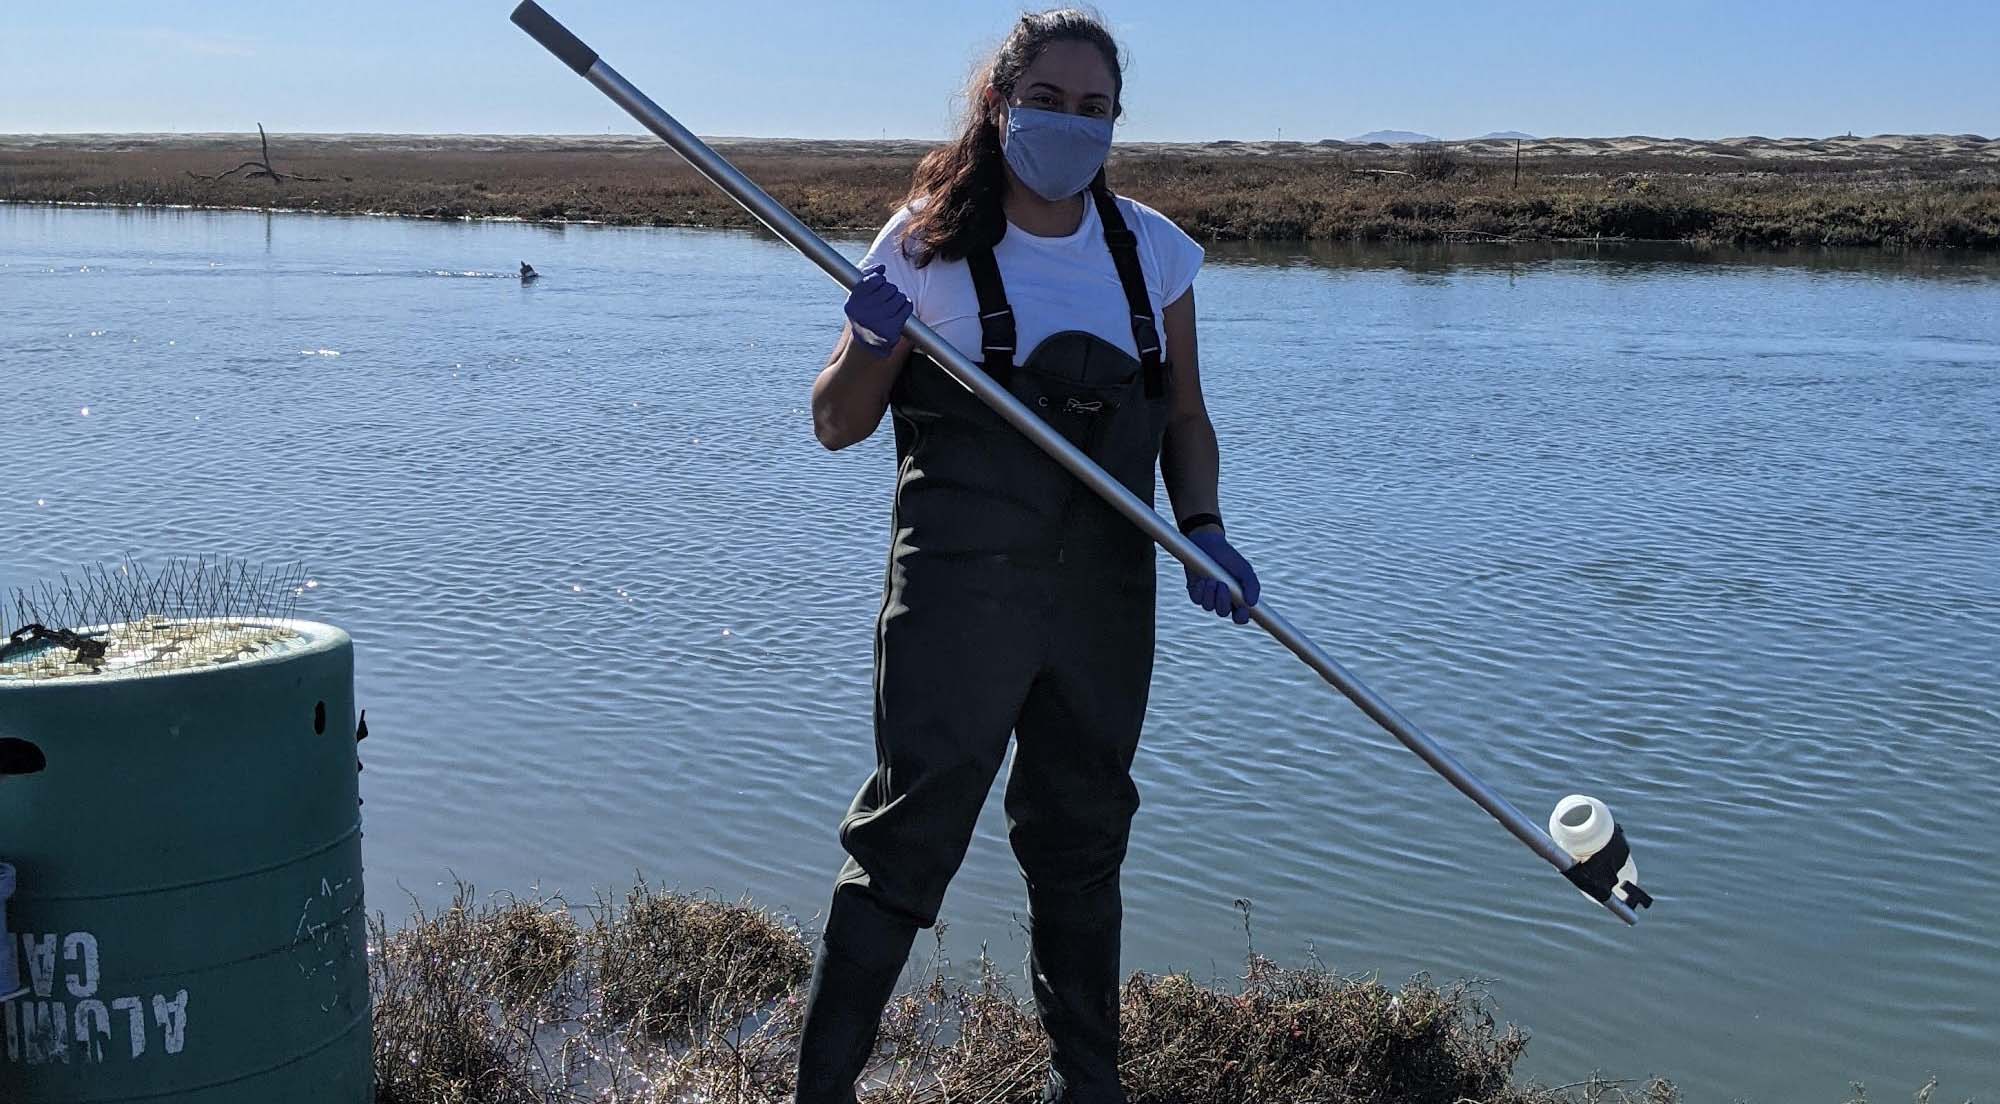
(877, 310)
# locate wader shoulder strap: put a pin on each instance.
(1124, 245)
(996, 319)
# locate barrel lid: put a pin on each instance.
(162, 646)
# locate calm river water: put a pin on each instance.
(1714, 537)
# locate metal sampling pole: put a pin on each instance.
(557, 38)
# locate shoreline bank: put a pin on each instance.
(1940, 197)
(655, 996)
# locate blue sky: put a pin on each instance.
(866, 69)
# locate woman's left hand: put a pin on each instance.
(1211, 594)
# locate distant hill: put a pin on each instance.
(1393, 137)
(1507, 134)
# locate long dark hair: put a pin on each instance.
(958, 186)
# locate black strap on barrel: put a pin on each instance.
(1124, 246)
(1597, 875)
(998, 339)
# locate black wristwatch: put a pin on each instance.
(1195, 521)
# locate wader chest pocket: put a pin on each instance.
(1076, 411)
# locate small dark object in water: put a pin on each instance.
(528, 272)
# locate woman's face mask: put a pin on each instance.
(1054, 153)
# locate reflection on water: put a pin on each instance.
(1611, 260)
(1709, 535)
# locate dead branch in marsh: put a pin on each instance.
(259, 169)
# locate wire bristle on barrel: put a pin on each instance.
(127, 617)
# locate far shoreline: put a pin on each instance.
(498, 220)
(1936, 192)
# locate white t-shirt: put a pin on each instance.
(1053, 284)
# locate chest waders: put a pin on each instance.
(1017, 602)
(857, 911)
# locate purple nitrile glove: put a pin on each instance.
(1211, 594)
(877, 311)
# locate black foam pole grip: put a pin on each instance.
(554, 36)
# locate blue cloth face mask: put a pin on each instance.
(1055, 154)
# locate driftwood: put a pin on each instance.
(259, 169)
(1383, 172)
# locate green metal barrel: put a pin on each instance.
(184, 820)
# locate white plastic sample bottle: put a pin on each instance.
(1583, 826)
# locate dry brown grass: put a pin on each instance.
(1478, 200)
(682, 967)
(647, 186)
(1432, 161)
(662, 997)
(1217, 191)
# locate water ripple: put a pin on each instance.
(1711, 540)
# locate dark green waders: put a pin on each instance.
(1017, 602)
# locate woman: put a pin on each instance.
(1016, 600)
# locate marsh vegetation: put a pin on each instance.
(1929, 193)
(658, 997)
